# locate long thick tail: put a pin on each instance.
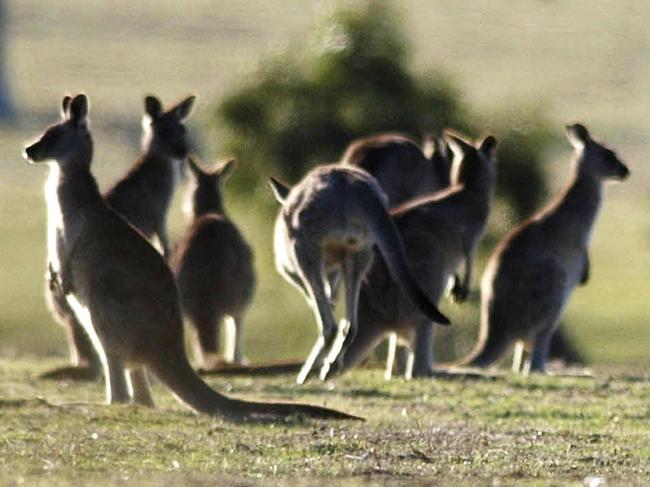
(279, 367)
(491, 346)
(392, 250)
(184, 382)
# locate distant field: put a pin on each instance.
(579, 60)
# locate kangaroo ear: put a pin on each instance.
(194, 166)
(458, 146)
(429, 145)
(183, 108)
(152, 107)
(578, 135)
(65, 104)
(224, 169)
(78, 109)
(280, 190)
(488, 146)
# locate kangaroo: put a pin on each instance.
(440, 232)
(121, 289)
(404, 171)
(400, 165)
(142, 196)
(214, 268)
(329, 222)
(530, 275)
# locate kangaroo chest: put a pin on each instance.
(64, 223)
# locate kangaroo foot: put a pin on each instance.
(77, 373)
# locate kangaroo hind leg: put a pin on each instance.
(117, 390)
(311, 275)
(234, 346)
(139, 386)
(355, 266)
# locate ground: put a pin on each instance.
(503, 428)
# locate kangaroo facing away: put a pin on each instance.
(440, 232)
(120, 287)
(142, 196)
(328, 223)
(533, 270)
(404, 171)
(214, 268)
(400, 166)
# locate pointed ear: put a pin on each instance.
(183, 108)
(578, 135)
(488, 146)
(152, 107)
(224, 169)
(65, 105)
(429, 146)
(458, 146)
(193, 166)
(78, 109)
(280, 190)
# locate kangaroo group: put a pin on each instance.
(394, 222)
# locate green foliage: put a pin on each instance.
(353, 79)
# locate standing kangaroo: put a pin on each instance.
(329, 222)
(532, 272)
(214, 268)
(400, 166)
(142, 196)
(439, 232)
(120, 287)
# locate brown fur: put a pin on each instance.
(328, 223)
(533, 270)
(439, 233)
(214, 268)
(122, 290)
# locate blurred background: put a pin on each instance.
(286, 85)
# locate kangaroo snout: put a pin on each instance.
(623, 172)
(31, 153)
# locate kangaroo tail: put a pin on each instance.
(392, 250)
(492, 345)
(184, 382)
(256, 369)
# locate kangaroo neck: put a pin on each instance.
(476, 201)
(209, 205)
(78, 198)
(576, 210)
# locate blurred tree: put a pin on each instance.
(7, 109)
(351, 80)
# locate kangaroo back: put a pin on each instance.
(399, 165)
(392, 250)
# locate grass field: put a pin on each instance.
(583, 60)
(467, 431)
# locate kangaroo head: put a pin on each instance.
(594, 158)
(205, 194)
(67, 142)
(472, 164)
(164, 132)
